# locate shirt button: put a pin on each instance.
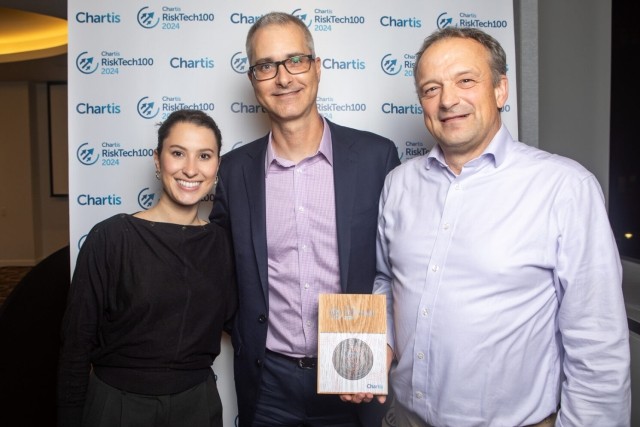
(301, 209)
(446, 226)
(457, 186)
(434, 268)
(420, 355)
(306, 286)
(308, 322)
(425, 312)
(418, 395)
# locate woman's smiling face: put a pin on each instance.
(188, 163)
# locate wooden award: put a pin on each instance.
(352, 344)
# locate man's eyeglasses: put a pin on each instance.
(268, 70)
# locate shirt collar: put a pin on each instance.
(325, 149)
(496, 150)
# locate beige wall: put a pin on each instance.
(32, 223)
(52, 223)
(16, 200)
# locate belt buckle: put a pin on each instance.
(307, 362)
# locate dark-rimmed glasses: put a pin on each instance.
(268, 70)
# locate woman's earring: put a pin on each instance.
(216, 181)
(157, 174)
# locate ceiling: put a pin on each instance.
(47, 69)
(57, 8)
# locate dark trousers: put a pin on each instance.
(107, 406)
(288, 398)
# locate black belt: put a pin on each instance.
(302, 362)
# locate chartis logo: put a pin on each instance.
(191, 63)
(390, 64)
(470, 20)
(240, 63)
(98, 200)
(413, 149)
(109, 153)
(444, 20)
(147, 18)
(398, 65)
(87, 155)
(109, 62)
(97, 18)
(147, 108)
(172, 103)
(113, 151)
(241, 18)
(97, 109)
(393, 21)
(327, 19)
(327, 105)
(240, 107)
(146, 197)
(86, 63)
(171, 17)
(401, 109)
(298, 13)
(343, 64)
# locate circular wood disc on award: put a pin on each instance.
(352, 359)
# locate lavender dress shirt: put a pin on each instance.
(504, 291)
(302, 247)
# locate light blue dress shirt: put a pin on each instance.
(504, 291)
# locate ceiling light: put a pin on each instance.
(28, 35)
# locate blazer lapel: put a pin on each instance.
(254, 173)
(344, 177)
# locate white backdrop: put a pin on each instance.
(131, 63)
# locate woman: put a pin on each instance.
(150, 295)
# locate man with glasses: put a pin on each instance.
(301, 204)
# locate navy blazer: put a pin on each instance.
(361, 160)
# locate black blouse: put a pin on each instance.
(146, 308)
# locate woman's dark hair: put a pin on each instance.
(195, 117)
